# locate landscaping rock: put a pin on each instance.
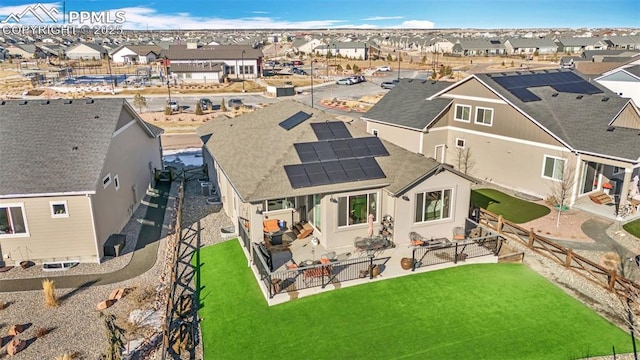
(15, 346)
(105, 304)
(15, 330)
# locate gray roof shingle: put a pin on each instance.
(406, 105)
(56, 146)
(257, 172)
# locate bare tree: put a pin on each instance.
(562, 187)
(464, 161)
(140, 102)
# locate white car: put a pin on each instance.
(384, 68)
(173, 105)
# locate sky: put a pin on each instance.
(330, 14)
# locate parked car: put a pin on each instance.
(173, 105)
(357, 78)
(345, 81)
(268, 73)
(235, 103)
(206, 104)
(389, 84)
(297, 62)
(384, 68)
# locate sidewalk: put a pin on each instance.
(143, 258)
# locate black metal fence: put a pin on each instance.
(319, 275)
(243, 232)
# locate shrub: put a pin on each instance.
(142, 296)
(3, 305)
(41, 332)
(167, 110)
(49, 288)
(348, 67)
(198, 108)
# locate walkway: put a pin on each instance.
(143, 259)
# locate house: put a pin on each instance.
(575, 45)
(305, 45)
(74, 172)
(519, 46)
(22, 51)
(521, 130)
(135, 54)
(624, 81)
(86, 51)
(466, 47)
(304, 165)
(347, 50)
(213, 62)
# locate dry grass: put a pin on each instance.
(68, 356)
(49, 289)
(3, 305)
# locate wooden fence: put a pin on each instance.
(600, 275)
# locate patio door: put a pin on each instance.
(590, 175)
(438, 153)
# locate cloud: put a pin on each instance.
(376, 18)
(416, 24)
(260, 12)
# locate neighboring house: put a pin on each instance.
(234, 61)
(518, 130)
(440, 46)
(86, 51)
(22, 51)
(136, 54)
(347, 50)
(516, 46)
(305, 45)
(624, 81)
(610, 55)
(465, 47)
(575, 45)
(279, 177)
(73, 173)
(629, 42)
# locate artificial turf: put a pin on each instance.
(513, 209)
(483, 311)
(633, 228)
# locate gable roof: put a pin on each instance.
(257, 173)
(221, 52)
(92, 46)
(57, 146)
(140, 50)
(406, 104)
(531, 43)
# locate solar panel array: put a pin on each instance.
(333, 172)
(331, 130)
(294, 120)
(330, 150)
(565, 81)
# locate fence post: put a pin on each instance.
(370, 267)
(532, 236)
(567, 261)
(413, 260)
(455, 256)
(500, 223)
(612, 280)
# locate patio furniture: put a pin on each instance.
(458, 233)
(600, 197)
(371, 245)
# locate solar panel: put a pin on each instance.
(306, 152)
(358, 147)
(376, 148)
(371, 168)
(565, 81)
(297, 176)
(339, 130)
(524, 94)
(294, 120)
(333, 172)
(331, 130)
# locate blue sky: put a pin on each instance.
(326, 14)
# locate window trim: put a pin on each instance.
(455, 113)
(24, 217)
(544, 162)
(116, 182)
(59, 202)
(482, 123)
(464, 143)
(451, 205)
(348, 226)
(266, 204)
(106, 181)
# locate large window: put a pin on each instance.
(433, 205)
(463, 113)
(553, 168)
(355, 209)
(484, 116)
(12, 220)
(281, 204)
(314, 213)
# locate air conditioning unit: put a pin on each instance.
(206, 188)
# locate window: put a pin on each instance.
(484, 116)
(460, 143)
(116, 182)
(553, 168)
(433, 205)
(106, 181)
(59, 209)
(355, 209)
(374, 132)
(280, 204)
(246, 69)
(314, 213)
(463, 113)
(12, 220)
(617, 169)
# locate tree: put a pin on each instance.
(389, 57)
(355, 69)
(198, 108)
(463, 160)
(339, 68)
(223, 107)
(167, 110)
(561, 189)
(115, 337)
(139, 101)
(348, 67)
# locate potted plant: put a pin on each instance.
(607, 187)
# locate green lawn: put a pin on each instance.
(633, 228)
(513, 209)
(492, 311)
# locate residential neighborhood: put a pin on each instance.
(183, 184)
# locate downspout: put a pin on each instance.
(576, 181)
(93, 227)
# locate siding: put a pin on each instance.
(628, 118)
(128, 156)
(406, 138)
(52, 238)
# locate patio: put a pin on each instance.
(604, 210)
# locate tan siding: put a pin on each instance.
(431, 140)
(628, 118)
(406, 138)
(53, 238)
(473, 87)
(128, 157)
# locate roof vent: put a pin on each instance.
(22, 102)
(89, 101)
(74, 148)
(44, 102)
(68, 101)
(605, 99)
(531, 71)
(518, 72)
(554, 94)
(611, 128)
(97, 117)
(2, 102)
(488, 75)
(579, 97)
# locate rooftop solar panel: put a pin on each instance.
(565, 81)
(339, 130)
(524, 94)
(375, 146)
(333, 172)
(294, 120)
(297, 176)
(331, 130)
